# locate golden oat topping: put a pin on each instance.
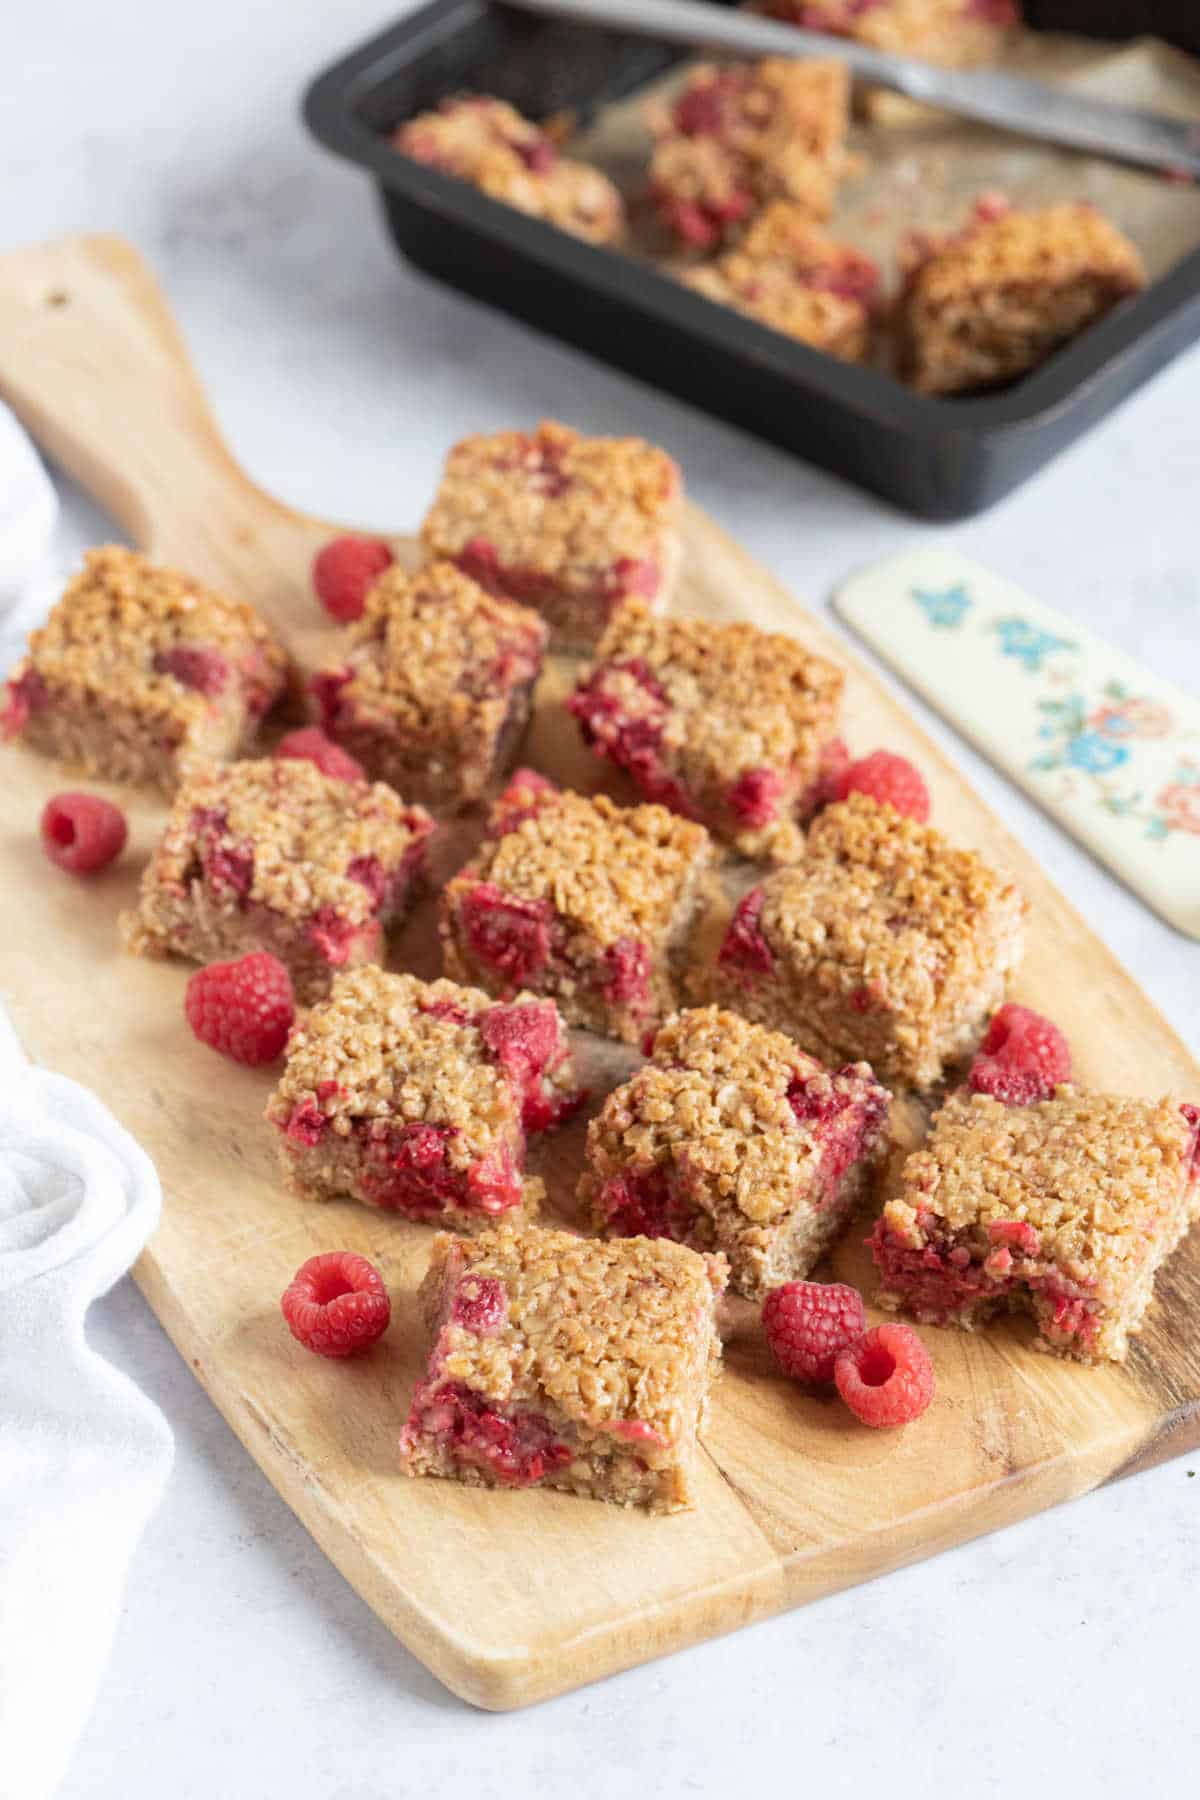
(610, 870)
(433, 649)
(943, 31)
(491, 145)
(607, 1331)
(1093, 1176)
(391, 1047)
(287, 836)
(551, 501)
(155, 640)
(739, 1107)
(739, 697)
(1053, 245)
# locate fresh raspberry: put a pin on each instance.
(885, 776)
(336, 1304)
(344, 572)
(808, 1324)
(82, 833)
(886, 1377)
(1022, 1058)
(244, 1009)
(310, 744)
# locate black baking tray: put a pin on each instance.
(940, 458)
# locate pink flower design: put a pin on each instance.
(1180, 804)
(1139, 718)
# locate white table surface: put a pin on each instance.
(1050, 1657)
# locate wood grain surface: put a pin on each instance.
(510, 1597)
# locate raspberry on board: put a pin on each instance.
(886, 1378)
(244, 1009)
(336, 1304)
(884, 776)
(344, 572)
(1023, 1057)
(808, 1323)
(82, 833)
(310, 744)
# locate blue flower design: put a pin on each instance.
(1020, 639)
(945, 607)
(1094, 753)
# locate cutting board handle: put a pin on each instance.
(93, 363)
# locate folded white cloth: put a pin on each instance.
(83, 1454)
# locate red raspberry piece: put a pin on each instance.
(519, 801)
(344, 572)
(1022, 1058)
(809, 1323)
(244, 1009)
(755, 796)
(310, 744)
(336, 1304)
(886, 1378)
(480, 1305)
(887, 777)
(195, 666)
(82, 833)
(745, 947)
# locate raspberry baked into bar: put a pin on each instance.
(560, 1362)
(996, 299)
(726, 724)
(1065, 1208)
(417, 1097)
(434, 689)
(791, 275)
(740, 135)
(566, 524)
(885, 944)
(274, 855)
(588, 901)
(940, 31)
(488, 143)
(733, 1139)
(140, 674)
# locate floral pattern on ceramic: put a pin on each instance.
(1107, 747)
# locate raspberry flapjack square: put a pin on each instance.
(885, 945)
(590, 902)
(567, 524)
(271, 854)
(141, 674)
(1065, 1208)
(418, 1097)
(561, 1362)
(725, 724)
(732, 1139)
(741, 134)
(433, 689)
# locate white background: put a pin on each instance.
(1054, 1657)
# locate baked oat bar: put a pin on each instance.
(140, 674)
(951, 32)
(1065, 1208)
(791, 275)
(433, 691)
(418, 1097)
(274, 855)
(994, 300)
(488, 143)
(726, 724)
(885, 945)
(567, 524)
(742, 134)
(560, 1362)
(590, 902)
(733, 1139)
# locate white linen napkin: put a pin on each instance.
(84, 1455)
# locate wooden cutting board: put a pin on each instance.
(510, 1598)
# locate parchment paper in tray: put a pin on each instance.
(925, 172)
